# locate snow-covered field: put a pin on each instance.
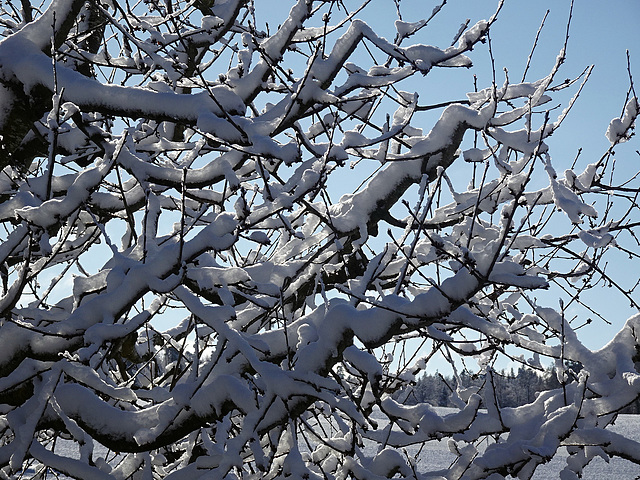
(598, 469)
(437, 456)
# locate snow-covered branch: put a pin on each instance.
(230, 249)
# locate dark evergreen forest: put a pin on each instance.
(513, 387)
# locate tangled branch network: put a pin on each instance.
(229, 249)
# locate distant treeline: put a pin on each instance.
(513, 388)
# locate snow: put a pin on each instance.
(48, 213)
(211, 22)
(568, 201)
(67, 466)
(511, 273)
(595, 238)
(437, 455)
(90, 378)
(406, 29)
(100, 418)
(619, 128)
(475, 155)
(248, 323)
